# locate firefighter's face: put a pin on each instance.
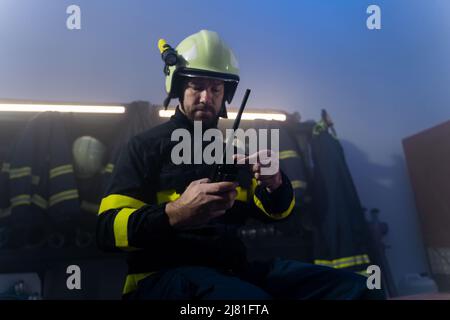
(202, 99)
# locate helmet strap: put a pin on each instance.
(166, 102)
(223, 111)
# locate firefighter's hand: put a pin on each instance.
(265, 168)
(201, 202)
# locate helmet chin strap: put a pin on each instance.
(166, 102)
(223, 110)
(222, 113)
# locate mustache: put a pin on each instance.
(204, 107)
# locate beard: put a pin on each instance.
(206, 114)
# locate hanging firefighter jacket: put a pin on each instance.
(292, 164)
(5, 209)
(41, 179)
(4, 198)
(132, 216)
(342, 239)
(138, 117)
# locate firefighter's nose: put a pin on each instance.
(206, 97)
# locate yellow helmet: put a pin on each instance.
(202, 54)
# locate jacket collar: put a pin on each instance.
(181, 120)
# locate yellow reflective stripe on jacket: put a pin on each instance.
(253, 187)
(127, 206)
(19, 172)
(277, 216)
(132, 280)
(68, 168)
(23, 199)
(297, 184)
(345, 262)
(363, 273)
(6, 167)
(63, 196)
(288, 154)
(172, 195)
(26, 171)
(118, 201)
(259, 204)
(242, 194)
(39, 201)
(121, 227)
(319, 127)
(166, 196)
(26, 199)
(108, 168)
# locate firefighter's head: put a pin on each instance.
(203, 73)
(202, 99)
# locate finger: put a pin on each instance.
(231, 195)
(218, 206)
(222, 205)
(220, 202)
(265, 177)
(239, 158)
(218, 213)
(200, 181)
(262, 157)
(252, 159)
(256, 168)
(215, 198)
(223, 196)
(220, 187)
(260, 176)
(266, 157)
(223, 202)
(267, 162)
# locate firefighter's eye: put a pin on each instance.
(216, 89)
(196, 88)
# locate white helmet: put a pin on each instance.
(89, 155)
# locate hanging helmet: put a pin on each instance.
(202, 54)
(89, 155)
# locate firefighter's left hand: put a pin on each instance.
(262, 162)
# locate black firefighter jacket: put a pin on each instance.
(132, 214)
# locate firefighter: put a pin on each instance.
(178, 227)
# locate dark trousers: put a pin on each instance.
(278, 279)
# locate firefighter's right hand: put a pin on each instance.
(201, 202)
